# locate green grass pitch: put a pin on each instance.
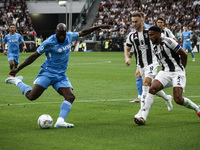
(102, 114)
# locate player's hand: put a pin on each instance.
(127, 62)
(187, 40)
(24, 48)
(13, 72)
(5, 52)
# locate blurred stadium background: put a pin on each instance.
(37, 19)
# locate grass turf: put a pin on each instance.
(102, 113)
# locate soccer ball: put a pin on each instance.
(45, 121)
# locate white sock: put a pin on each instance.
(144, 94)
(162, 94)
(148, 103)
(189, 104)
(60, 119)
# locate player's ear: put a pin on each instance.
(142, 19)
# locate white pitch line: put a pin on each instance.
(91, 63)
(82, 101)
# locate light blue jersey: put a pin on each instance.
(186, 35)
(13, 43)
(147, 25)
(187, 44)
(57, 53)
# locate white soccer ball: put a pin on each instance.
(45, 121)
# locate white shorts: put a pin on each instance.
(149, 71)
(175, 79)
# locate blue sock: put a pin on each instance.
(65, 109)
(192, 54)
(24, 88)
(139, 83)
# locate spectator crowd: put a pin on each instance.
(16, 12)
(176, 13)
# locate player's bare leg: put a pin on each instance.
(65, 108)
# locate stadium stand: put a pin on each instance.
(176, 13)
(16, 12)
(117, 13)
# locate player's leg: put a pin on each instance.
(145, 89)
(179, 99)
(65, 107)
(139, 83)
(179, 82)
(192, 54)
(155, 87)
(33, 94)
(167, 98)
(12, 64)
(26, 90)
(64, 88)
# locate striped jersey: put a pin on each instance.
(142, 47)
(167, 33)
(166, 52)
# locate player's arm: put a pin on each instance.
(24, 45)
(126, 55)
(90, 30)
(183, 56)
(189, 38)
(27, 62)
(181, 42)
(175, 39)
(4, 50)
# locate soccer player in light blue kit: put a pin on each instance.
(13, 39)
(186, 40)
(57, 51)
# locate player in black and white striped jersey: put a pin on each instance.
(165, 32)
(145, 59)
(173, 59)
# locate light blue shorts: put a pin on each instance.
(12, 57)
(45, 79)
(187, 46)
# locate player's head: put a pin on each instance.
(155, 34)
(160, 23)
(142, 15)
(137, 21)
(61, 30)
(12, 28)
(185, 27)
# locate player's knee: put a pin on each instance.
(71, 97)
(31, 97)
(178, 99)
(12, 64)
(152, 90)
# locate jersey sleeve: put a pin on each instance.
(171, 35)
(172, 44)
(128, 40)
(73, 35)
(21, 38)
(44, 47)
(5, 40)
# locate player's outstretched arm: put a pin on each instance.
(90, 30)
(27, 62)
(183, 56)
